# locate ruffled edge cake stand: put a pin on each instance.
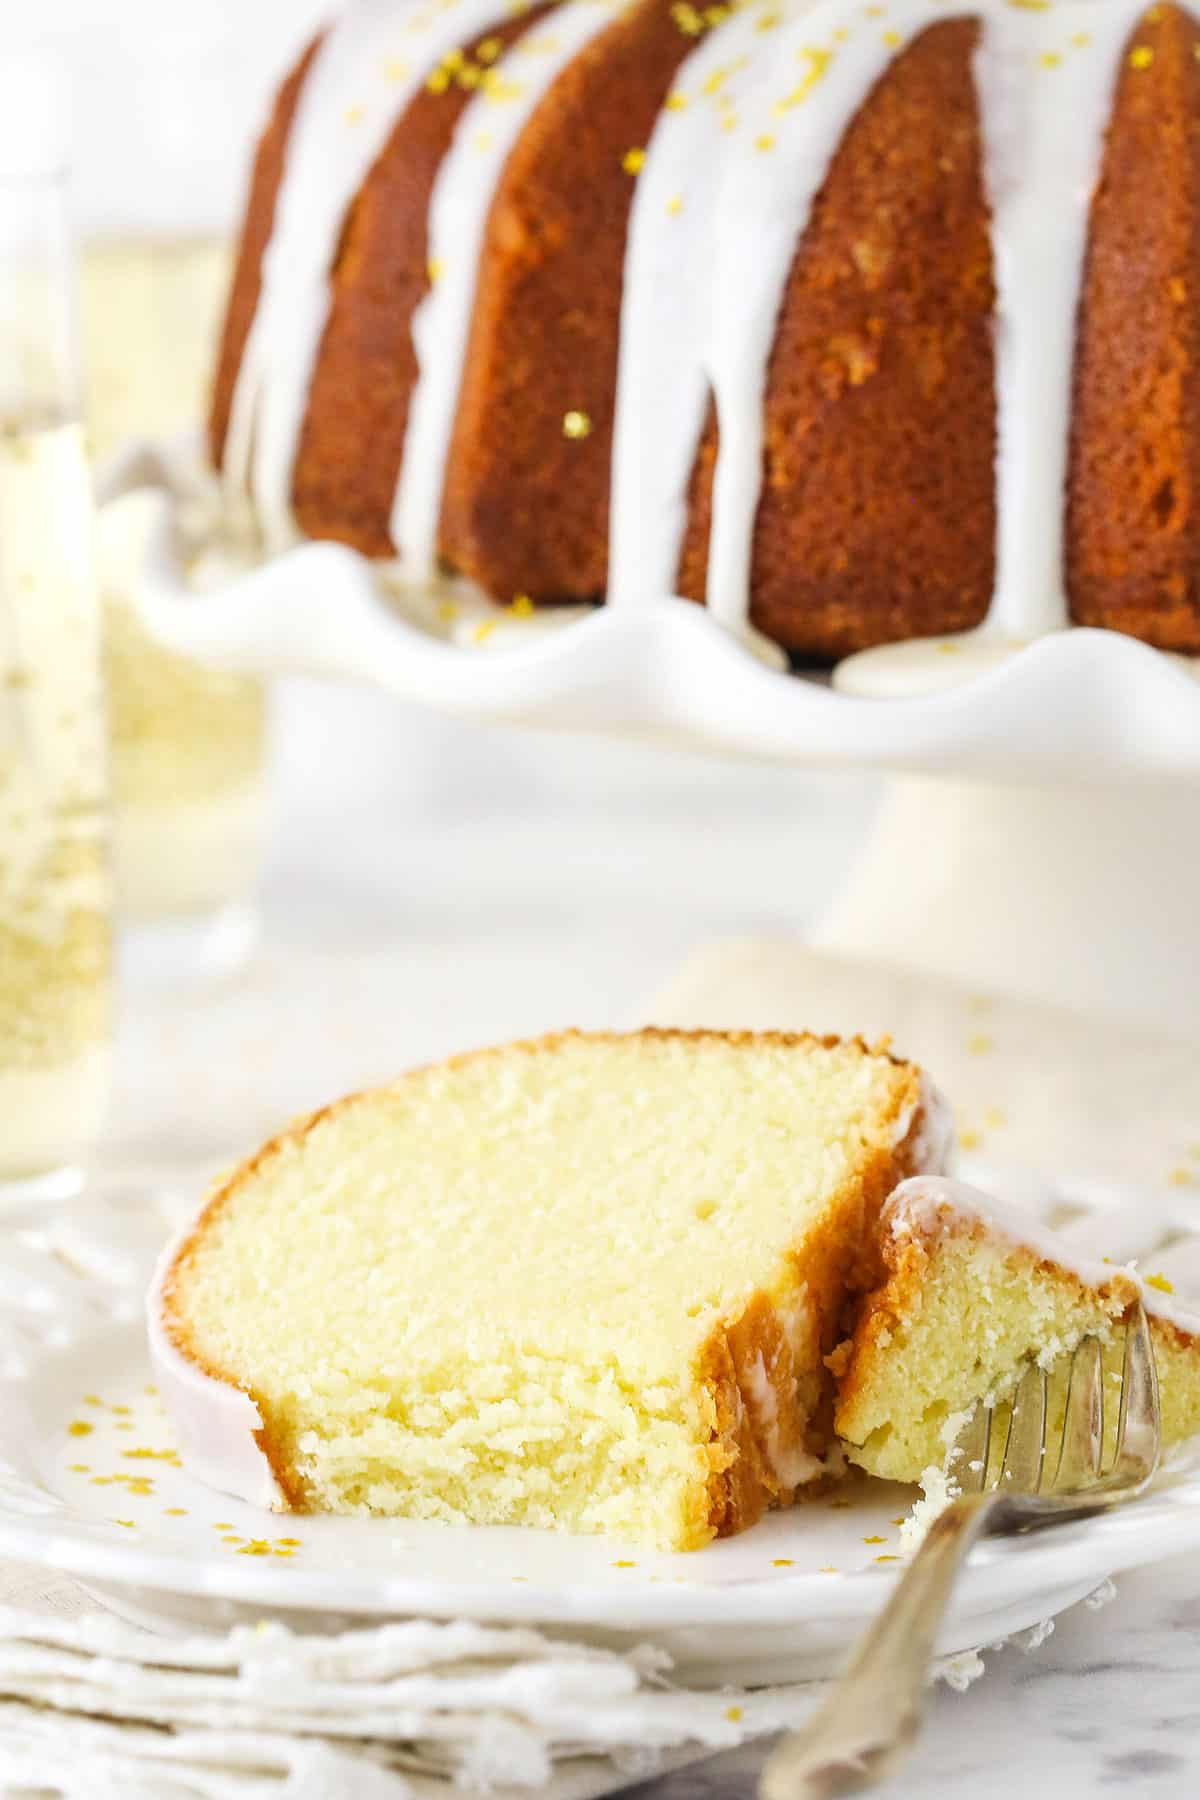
(1038, 833)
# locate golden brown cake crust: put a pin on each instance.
(905, 1264)
(877, 518)
(525, 508)
(352, 440)
(257, 224)
(1133, 515)
(743, 1482)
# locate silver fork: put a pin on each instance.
(873, 1715)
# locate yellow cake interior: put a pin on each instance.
(964, 1311)
(503, 1289)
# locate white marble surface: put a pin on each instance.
(432, 886)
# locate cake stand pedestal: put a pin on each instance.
(1082, 897)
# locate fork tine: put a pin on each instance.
(1081, 1455)
(1139, 1431)
(1021, 1468)
(968, 1460)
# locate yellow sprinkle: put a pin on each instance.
(576, 425)
(255, 1547)
(92, 1400)
(766, 142)
(675, 204)
(290, 1543)
(979, 1044)
(437, 81)
(81, 1468)
(818, 64)
(489, 50)
(1141, 56)
(632, 161)
(716, 81)
(1154, 15)
(231, 1538)
(624, 1565)
(283, 1553)
(887, 1559)
(892, 39)
(1050, 59)
(522, 606)
(469, 76)
(395, 70)
(898, 1521)
(122, 1412)
(80, 1428)
(874, 1540)
(124, 1425)
(1081, 40)
(782, 1562)
(102, 1480)
(1181, 1178)
(969, 1139)
(993, 1118)
(827, 1569)
(433, 269)
(686, 19)
(675, 102)
(874, 12)
(733, 1713)
(151, 1390)
(1031, 5)
(447, 610)
(520, 1578)
(454, 59)
(143, 1453)
(840, 35)
(729, 122)
(483, 632)
(129, 1524)
(716, 15)
(175, 1512)
(355, 115)
(768, 22)
(223, 1525)
(1161, 1283)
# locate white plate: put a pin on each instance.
(1075, 706)
(780, 1602)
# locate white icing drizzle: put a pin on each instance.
(663, 381)
(370, 65)
(1043, 135)
(721, 202)
(459, 206)
(928, 1205)
(216, 1421)
(1045, 81)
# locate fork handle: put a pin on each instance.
(875, 1709)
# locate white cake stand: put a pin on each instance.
(1039, 834)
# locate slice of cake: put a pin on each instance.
(974, 1292)
(586, 1283)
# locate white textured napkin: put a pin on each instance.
(381, 1713)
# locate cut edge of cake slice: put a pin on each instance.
(747, 1423)
(974, 1292)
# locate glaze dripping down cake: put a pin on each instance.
(858, 322)
(584, 1283)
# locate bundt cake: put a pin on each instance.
(859, 321)
(972, 1293)
(585, 1283)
